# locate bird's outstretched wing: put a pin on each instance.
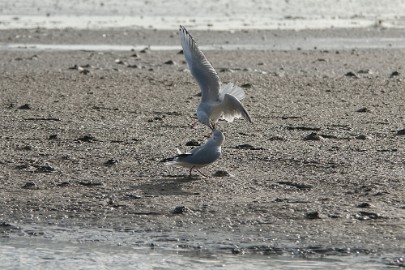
(232, 108)
(205, 75)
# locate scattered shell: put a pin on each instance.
(365, 71)
(363, 215)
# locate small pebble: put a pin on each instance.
(90, 183)
(364, 205)
(30, 185)
(193, 143)
(134, 66)
(44, 169)
(180, 210)
(394, 73)
(53, 137)
(119, 62)
(25, 107)
(363, 137)
(87, 138)
(401, 132)
(111, 162)
(145, 50)
(313, 137)
(221, 174)
(351, 74)
(237, 250)
(245, 146)
(312, 215)
(170, 62)
(84, 71)
(247, 85)
(363, 110)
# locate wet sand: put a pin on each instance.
(321, 170)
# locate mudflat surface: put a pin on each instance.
(80, 146)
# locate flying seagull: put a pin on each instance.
(217, 101)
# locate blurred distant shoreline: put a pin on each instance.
(202, 15)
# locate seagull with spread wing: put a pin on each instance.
(217, 101)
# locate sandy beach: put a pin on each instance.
(321, 169)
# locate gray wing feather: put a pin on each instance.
(205, 75)
(232, 108)
(233, 90)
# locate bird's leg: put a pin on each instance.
(190, 172)
(201, 173)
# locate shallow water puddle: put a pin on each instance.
(34, 253)
(36, 247)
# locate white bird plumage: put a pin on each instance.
(200, 156)
(217, 102)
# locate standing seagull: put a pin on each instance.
(201, 156)
(216, 101)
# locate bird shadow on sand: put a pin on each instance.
(168, 185)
